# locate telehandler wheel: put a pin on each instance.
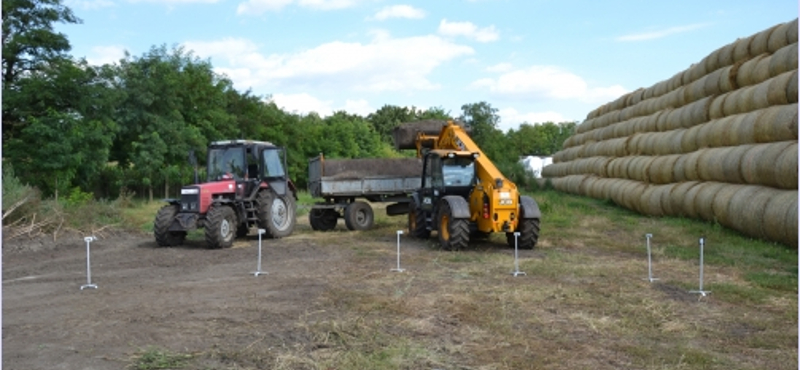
(416, 222)
(276, 214)
(323, 219)
(453, 232)
(164, 219)
(528, 234)
(358, 216)
(220, 226)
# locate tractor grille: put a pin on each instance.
(190, 202)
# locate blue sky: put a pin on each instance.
(535, 61)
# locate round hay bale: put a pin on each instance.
(715, 110)
(747, 209)
(661, 169)
(731, 103)
(688, 204)
(791, 225)
(726, 82)
(697, 113)
(758, 163)
(666, 203)
(678, 195)
(791, 88)
(679, 169)
(775, 212)
(778, 38)
(663, 118)
(777, 88)
(690, 170)
(637, 168)
(786, 168)
(711, 61)
(695, 72)
(660, 143)
(761, 95)
(614, 168)
(725, 56)
(675, 141)
(709, 165)
(711, 83)
(774, 124)
(650, 202)
(722, 202)
(741, 127)
(633, 195)
(746, 102)
(791, 32)
(706, 133)
(704, 199)
(697, 89)
(744, 75)
(633, 143)
(689, 139)
(741, 49)
(761, 70)
(783, 60)
(587, 185)
(759, 43)
(732, 164)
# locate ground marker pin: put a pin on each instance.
(88, 284)
(258, 269)
(701, 291)
(398, 269)
(516, 272)
(649, 260)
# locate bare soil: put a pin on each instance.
(369, 167)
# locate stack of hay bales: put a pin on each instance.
(717, 141)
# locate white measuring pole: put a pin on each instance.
(88, 284)
(701, 291)
(649, 260)
(258, 269)
(516, 271)
(398, 269)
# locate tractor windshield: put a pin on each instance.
(273, 163)
(226, 163)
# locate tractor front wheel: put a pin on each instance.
(220, 226)
(453, 232)
(276, 214)
(164, 219)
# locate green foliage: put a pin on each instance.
(18, 198)
(543, 139)
(77, 197)
(154, 358)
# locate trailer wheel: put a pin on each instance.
(358, 216)
(220, 226)
(453, 232)
(164, 219)
(416, 222)
(528, 234)
(276, 214)
(323, 219)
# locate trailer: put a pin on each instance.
(340, 183)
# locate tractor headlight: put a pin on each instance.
(190, 191)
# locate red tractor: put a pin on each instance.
(247, 186)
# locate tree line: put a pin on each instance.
(69, 125)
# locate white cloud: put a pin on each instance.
(399, 11)
(511, 118)
(360, 107)
(173, 2)
(383, 64)
(89, 4)
(257, 7)
(661, 33)
(547, 82)
(500, 67)
(468, 30)
(106, 55)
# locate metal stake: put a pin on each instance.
(398, 269)
(649, 260)
(88, 284)
(516, 271)
(258, 269)
(701, 291)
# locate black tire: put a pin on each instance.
(276, 214)
(358, 216)
(220, 228)
(528, 234)
(164, 219)
(322, 219)
(242, 230)
(417, 224)
(453, 232)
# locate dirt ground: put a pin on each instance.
(329, 298)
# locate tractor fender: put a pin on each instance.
(529, 207)
(458, 206)
(172, 201)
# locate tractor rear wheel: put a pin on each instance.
(416, 222)
(220, 226)
(164, 219)
(276, 214)
(323, 219)
(453, 232)
(358, 216)
(528, 234)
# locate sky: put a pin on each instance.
(534, 61)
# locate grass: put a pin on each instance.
(153, 358)
(583, 304)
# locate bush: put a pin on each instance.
(19, 200)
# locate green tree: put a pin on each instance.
(482, 119)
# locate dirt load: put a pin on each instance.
(369, 167)
(405, 135)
